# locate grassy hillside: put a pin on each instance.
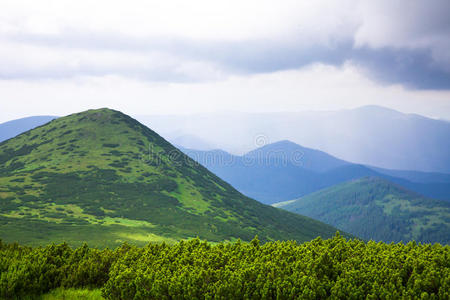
(373, 208)
(100, 176)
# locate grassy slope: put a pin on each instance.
(102, 177)
(373, 208)
(72, 294)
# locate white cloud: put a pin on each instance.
(197, 19)
(37, 61)
(177, 34)
(177, 56)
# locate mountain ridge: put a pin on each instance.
(281, 175)
(375, 136)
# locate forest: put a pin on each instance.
(337, 268)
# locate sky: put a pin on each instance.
(199, 56)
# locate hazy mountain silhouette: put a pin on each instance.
(284, 170)
(369, 135)
(12, 128)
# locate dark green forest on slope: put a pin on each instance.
(374, 208)
(102, 177)
(335, 268)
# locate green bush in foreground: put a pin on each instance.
(333, 268)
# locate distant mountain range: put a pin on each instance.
(284, 170)
(12, 128)
(280, 171)
(103, 178)
(376, 209)
(369, 135)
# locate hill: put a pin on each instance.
(12, 128)
(284, 170)
(374, 208)
(102, 177)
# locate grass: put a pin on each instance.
(126, 222)
(192, 199)
(144, 237)
(39, 232)
(73, 294)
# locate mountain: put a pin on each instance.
(415, 176)
(272, 173)
(389, 139)
(12, 128)
(102, 177)
(286, 152)
(265, 179)
(374, 208)
(284, 170)
(369, 135)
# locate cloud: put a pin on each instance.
(45, 59)
(315, 87)
(411, 24)
(231, 20)
(395, 42)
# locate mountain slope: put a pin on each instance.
(12, 128)
(268, 179)
(284, 170)
(102, 177)
(374, 208)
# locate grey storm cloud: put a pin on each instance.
(401, 42)
(413, 67)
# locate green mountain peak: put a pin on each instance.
(102, 177)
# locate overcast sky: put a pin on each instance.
(171, 57)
